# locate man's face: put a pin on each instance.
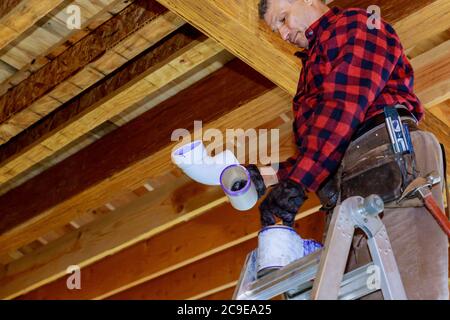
(288, 18)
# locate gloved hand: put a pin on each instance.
(257, 179)
(283, 201)
(328, 194)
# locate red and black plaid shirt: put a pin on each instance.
(350, 73)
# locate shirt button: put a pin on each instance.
(310, 33)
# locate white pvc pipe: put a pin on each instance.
(280, 245)
(241, 199)
(195, 162)
(277, 247)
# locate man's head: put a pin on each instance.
(291, 18)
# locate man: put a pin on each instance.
(351, 73)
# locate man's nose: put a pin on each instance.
(284, 32)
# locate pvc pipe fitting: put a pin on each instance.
(239, 188)
(195, 162)
(278, 246)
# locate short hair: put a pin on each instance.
(262, 8)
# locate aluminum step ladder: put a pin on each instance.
(320, 275)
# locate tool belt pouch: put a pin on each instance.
(369, 169)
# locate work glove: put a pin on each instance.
(283, 201)
(257, 179)
(328, 194)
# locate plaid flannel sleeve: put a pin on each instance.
(285, 167)
(360, 62)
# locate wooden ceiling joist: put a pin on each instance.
(222, 294)
(211, 274)
(122, 158)
(50, 135)
(191, 76)
(34, 155)
(55, 24)
(169, 59)
(432, 86)
(76, 59)
(214, 231)
(126, 158)
(151, 214)
(136, 221)
(6, 6)
(16, 18)
(420, 19)
(432, 75)
(168, 205)
(223, 20)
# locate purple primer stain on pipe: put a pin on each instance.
(310, 246)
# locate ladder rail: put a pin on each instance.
(333, 261)
(383, 257)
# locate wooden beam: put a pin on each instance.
(6, 6)
(157, 211)
(16, 18)
(210, 233)
(223, 294)
(432, 74)
(93, 17)
(175, 55)
(195, 279)
(415, 27)
(78, 56)
(389, 9)
(148, 35)
(211, 274)
(224, 20)
(106, 171)
(149, 215)
(432, 86)
(441, 112)
(150, 101)
(27, 149)
(41, 150)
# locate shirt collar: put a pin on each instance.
(318, 26)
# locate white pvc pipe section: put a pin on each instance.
(280, 245)
(277, 247)
(245, 197)
(195, 162)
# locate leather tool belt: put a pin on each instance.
(370, 166)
